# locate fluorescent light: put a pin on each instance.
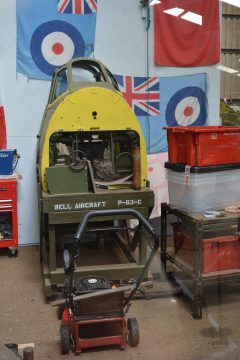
(227, 69)
(192, 17)
(232, 2)
(189, 16)
(155, 2)
(174, 11)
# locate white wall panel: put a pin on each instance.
(27, 189)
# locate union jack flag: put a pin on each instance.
(77, 6)
(141, 93)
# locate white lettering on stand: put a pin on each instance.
(62, 207)
(95, 204)
(76, 206)
(129, 202)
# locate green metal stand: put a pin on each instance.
(59, 211)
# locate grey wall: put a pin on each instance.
(120, 44)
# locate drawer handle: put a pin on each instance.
(1, 201)
(5, 206)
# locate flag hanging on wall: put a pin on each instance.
(48, 37)
(141, 93)
(77, 6)
(143, 96)
(184, 100)
(171, 101)
(3, 137)
(186, 33)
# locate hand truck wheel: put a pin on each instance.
(133, 332)
(65, 340)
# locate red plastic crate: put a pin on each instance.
(221, 253)
(203, 145)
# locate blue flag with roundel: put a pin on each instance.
(183, 102)
(48, 37)
(160, 102)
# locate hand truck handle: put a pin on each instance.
(112, 212)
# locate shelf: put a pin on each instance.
(221, 273)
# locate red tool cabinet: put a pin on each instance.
(8, 216)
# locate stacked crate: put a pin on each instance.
(203, 171)
(203, 174)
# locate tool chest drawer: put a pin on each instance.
(8, 189)
(8, 216)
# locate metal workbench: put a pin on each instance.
(200, 228)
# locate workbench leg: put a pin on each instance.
(52, 247)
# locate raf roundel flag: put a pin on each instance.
(170, 101)
(46, 39)
(186, 33)
(184, 100)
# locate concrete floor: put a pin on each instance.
(167, 329)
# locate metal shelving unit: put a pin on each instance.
(190, 273)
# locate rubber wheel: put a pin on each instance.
(133, 332)
(65, 341)
(60, 310)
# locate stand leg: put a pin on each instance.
(52, 248)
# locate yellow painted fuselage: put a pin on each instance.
(96, 107)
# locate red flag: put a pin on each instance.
(3, 141)
(186, 33)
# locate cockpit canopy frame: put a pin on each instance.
(78, 73)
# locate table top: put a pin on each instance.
(14, 176)
(224, 216)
